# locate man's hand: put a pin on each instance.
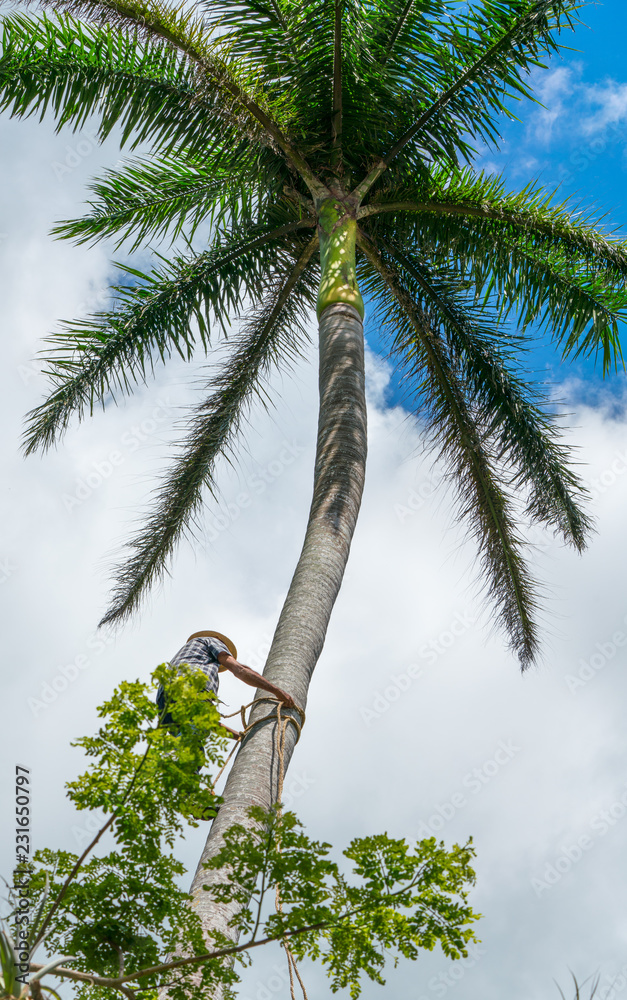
(250, 676)
(286, 698)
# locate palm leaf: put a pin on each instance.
(464, 445)
(484, 57)
(562, 275)
(74, 71)
(524, 436)
(578, 307)
(155, 198)
(270, 337)
(111, 351)
(448, 206)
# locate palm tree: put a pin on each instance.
(327, 146)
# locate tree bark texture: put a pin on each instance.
(301, 630)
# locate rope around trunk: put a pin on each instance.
(249, 727)
(281, 732)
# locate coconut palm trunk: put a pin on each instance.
(338, 486)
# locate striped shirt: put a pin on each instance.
(202, 652)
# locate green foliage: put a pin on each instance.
(122, 913)
(273, 335)
(392, 903)
(151, 199)
(146, 774)
(257, 114)
(74, 71)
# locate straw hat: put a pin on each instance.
(212, 634)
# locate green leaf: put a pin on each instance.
(458, 431)
(152, 198)
(523, 435)
(270, 338)
(170, 311)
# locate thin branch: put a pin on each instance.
(208, 956)
(89, 847)
(397, 29)
(86, 977)
(120, 982)
(262, 888)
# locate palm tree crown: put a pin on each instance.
(328, 144)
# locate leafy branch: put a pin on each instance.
(124, 916)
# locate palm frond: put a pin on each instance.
(75, 71)
(526, 257)
(407, 23)
(485, 56)
(112, 350)
(220, 75)
(464, 445)
(524, 435)
(177, 24)
(581, 309)
(452, 203)
(155, 198)
(271, 336)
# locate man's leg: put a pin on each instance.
(165, 719)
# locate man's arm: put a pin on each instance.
(249, 676)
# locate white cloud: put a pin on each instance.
(407, 600)
(551, 89)
(610, 103)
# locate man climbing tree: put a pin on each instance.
(214, 653)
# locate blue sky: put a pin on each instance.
(577, 143)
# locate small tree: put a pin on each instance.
(118, 918)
